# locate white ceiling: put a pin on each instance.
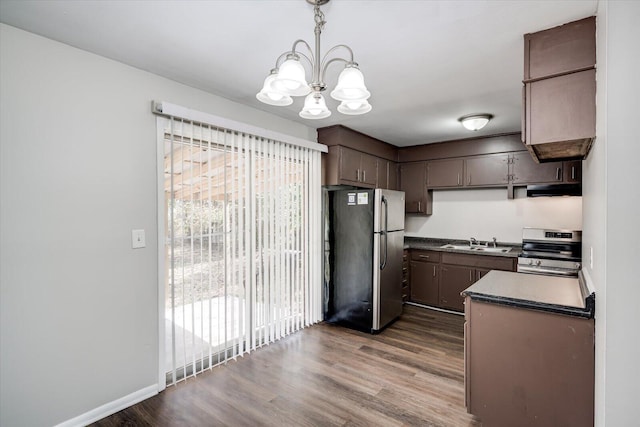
(426, 63)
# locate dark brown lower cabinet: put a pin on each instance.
(425, 276)
(480, 272)
(424, 283)
(528, 367)
(454, 280)
(438, 278)
(459, 271)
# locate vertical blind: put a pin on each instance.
(242, 253)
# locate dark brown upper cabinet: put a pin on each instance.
(487, 171)
(526, 171)
(572, 171)
(445, 173)
(560, 50)
(387, 174)
(357, 159)
(357, 168)
(413, 181)
(559, 103)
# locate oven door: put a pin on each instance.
(547, 271)
(548, 267)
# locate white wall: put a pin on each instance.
(612, 209)
(79, 317)
(487, 213)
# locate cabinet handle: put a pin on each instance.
(471, 275)
(419, 210)
(423, 256)
(558, 170)
(458, 180)
(358, 175)
(573, 172)
(434, 271)
(364, 175)
(469, 180)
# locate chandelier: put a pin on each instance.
(288, 78)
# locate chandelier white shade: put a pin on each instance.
(475, 121)
(291, 79)
(350, 85)
(270, 96)
(354, 107)
(288, 78)
(315, 107)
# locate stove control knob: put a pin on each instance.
(578, 266)
(538, 263)
(530, 262)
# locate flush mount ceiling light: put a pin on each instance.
(475, 121)
(288, 78)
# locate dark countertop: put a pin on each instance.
(563, 295)
(430, 244)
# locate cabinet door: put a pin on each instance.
(453, 280)
(413, 178)
(424, 282)
(560, 49)
(527, 171)
(561, 109)
(572, 171)
(481, 272)
(368, 170)
(387, 174)
(444, 173)
(349, 165)
(487, 170)
(383, 174)
(392, 176)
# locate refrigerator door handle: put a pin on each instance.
(383, 233)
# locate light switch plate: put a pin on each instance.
(137, 239)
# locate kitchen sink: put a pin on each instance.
(502, 250)
(490, 249)
(459, 247)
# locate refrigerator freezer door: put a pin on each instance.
(390, 214)
(387, 282)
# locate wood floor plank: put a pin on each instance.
(411, 374)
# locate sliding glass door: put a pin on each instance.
(240, 215)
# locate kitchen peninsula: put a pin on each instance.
(529, 350)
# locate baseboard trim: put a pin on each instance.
(428, 307)
(111, 407)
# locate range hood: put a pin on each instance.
(554, 190)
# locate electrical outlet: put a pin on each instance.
(137, 239)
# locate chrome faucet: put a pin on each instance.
(473, 241)
(495, 242)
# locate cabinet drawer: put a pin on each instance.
(481, 261)
(425, 256)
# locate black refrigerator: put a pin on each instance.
(363, 262)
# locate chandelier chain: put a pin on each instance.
(319, 17)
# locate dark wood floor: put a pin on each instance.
(411, 374)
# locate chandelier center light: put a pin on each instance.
(288, 78)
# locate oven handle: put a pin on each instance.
(542, 270)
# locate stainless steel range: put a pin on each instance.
(551, 252)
